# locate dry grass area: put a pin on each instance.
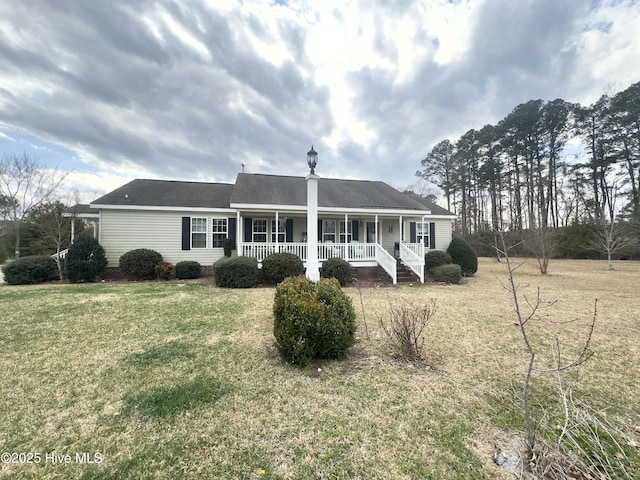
(182, 380)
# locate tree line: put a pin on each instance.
(517, 175)
(546, 165)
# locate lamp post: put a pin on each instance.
(313, 266)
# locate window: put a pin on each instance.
(282, 228)
(329, 231)
(345, 237)
(422, 233)
(259, 230)
(198, 233)
(220, 230)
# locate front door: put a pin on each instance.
(371, 232)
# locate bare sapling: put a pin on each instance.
(526, 310)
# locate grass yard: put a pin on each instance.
(173, 380)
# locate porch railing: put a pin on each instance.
(262, 250)
(412, 259)
(387, 262)
(351, 252)
(417, 248)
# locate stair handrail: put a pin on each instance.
(412, 260)
(387, 262)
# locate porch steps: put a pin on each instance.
(406, 275)
(378, 275)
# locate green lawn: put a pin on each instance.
(174, 380)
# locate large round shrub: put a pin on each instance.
(187, 269)
(337, 268)
(31, 269)
(312, 320)
(85, 261)
(278, 266)
(435, 258)
(236, 272)
(140, 264)
(465, 256)
(451, 273)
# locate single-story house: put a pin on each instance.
(367, 223)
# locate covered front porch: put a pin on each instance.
(360, 240)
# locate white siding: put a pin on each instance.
(389, 233)
(124, 230)
(443, 231)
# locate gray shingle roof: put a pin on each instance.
(435, 209)
(81, 209)
(166, 193)
(255, 189)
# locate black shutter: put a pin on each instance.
(248, 229)
(288, 236)
(231, 232)
(186, 233)
(319, 230)
(412, 232)
(354, 230)
(432, 235)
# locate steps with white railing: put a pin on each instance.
(62, 254)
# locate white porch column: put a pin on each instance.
(313, 266)
(400, 232)
(239, 233)
(73, 229)
(375, 229)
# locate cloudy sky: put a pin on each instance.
(111, 90)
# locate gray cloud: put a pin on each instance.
(103, 78)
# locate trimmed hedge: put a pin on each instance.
(85, 261)
(140, 264)
(435, 258)
(187, 269)
(464, 255)
(30, 270)
(451, 273)
(337, 268)
(278, 266)
(236, 272)
(312, 320)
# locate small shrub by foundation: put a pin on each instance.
(165, 271)
(31, 269)
(139, 264)
(236, 272)
(278, 266)
(337, 268)
(312, 320)
(188, 269)
(451, 273)
(436, 258)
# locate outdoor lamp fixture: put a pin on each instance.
(312, 160)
